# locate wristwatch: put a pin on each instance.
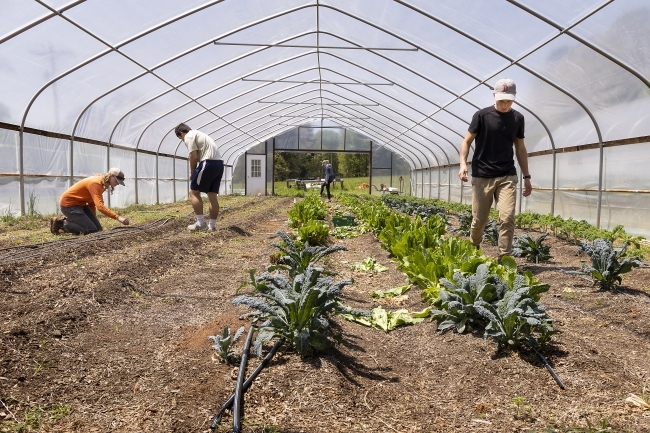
(527, 176)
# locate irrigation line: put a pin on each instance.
(247, 384)
(35, 250)
(547, 365)
(238, 405)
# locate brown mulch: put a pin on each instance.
(116, 331)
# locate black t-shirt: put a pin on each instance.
(494, 143)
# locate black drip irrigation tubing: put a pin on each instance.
(548, 366)
(247, 384)
(238, 405)
(35, 250)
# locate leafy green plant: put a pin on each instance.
(309, 209)
(520, 404)
(491, 232)
(465, 220)
(224, 343)
(348, 232)
(314, 233)
(386, 320)
(607, 263)
(516, 319)
(533, 250)
(456, 302)
(369, 264)
(390, 293)
(295, 259)
(296, 309)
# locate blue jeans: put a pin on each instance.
(80, 220)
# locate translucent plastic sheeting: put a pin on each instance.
(9, 151)
(100, 118)
(59, 105)
(125, 161)
(381, 157)
(130, 127)
(18, 13)
(165, 168)
(391, 16)
(118, 20)
(238, 176)
(45, 155)
(146, 191)
(166, 191)
(611, 92)
(621, 29)
(89, 159)
(122, 196)
(146, 166)
(182, 190)
(35, 57)
(42, 194)
(9, 195)
(181, 169)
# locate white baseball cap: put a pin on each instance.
(505, 89)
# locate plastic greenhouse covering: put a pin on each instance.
(89, 85)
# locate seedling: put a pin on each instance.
(520, 404)
(224, 343)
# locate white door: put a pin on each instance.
(255, 174)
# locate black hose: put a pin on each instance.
(548, 367)
(238, 405)
(247, 384)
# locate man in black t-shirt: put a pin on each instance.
(496, 130)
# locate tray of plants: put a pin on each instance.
(340, 221)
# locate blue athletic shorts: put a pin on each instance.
(206, 177)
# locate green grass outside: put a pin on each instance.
(350, 185)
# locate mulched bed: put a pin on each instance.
(117, 330)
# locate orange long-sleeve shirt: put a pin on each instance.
(88, 191)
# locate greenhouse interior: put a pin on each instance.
(89, 85)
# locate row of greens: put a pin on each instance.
(468, 290)
(608, 263)
(569, 228)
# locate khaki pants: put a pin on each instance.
(504, 190)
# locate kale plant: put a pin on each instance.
(516, 319)
(296, 309)
(465, 220)
(456, 303)
(224, 343)
(491, 233)
(295, 261)
(533, 250)
(607, 262)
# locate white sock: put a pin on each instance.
(200, 219)
(213, 223)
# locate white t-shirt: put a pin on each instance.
(197, 140)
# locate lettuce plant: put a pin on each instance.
(607, 262)
(296, 309)
(533, 250)
(309, 209)
(314, 233)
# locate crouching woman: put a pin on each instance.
(79, 204)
